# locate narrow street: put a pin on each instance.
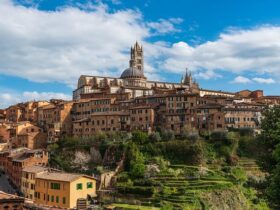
(5, 185)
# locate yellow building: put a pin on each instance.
(28, 180)
(63, 189)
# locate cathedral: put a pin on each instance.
(131, 84)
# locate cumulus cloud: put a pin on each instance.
(10, 98)
(241, 80)
(264, 80)
(61, 45)
(237, 51)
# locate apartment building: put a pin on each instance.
(63, 189)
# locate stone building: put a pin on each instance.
(29, 174)
(101, 122)
(11, 202)
(24, 111)
(131, 84)
(14, 161)
(56, 119)
(63, 189)
(22, 134)
(243, 115)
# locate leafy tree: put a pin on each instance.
(139, 137)
(135, 161)
(269, 144)
(273, 190)
(269, 139)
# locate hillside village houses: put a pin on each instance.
(106, 104)
(130, 102)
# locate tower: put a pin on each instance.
(188, 78)
(136, 57)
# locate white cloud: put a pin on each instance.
(10, 98)
(238, 51)
(264, 80)
(207, 75)
(61, 45)
(164, 26)
(241, 80)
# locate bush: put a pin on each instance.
(184, 152)
(167, 135)
(145, 191)
(155, 137)
(239, 175)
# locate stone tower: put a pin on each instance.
(188, 78)
(136, 57)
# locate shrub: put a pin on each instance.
(167, 135)
(239, 175)
(146, 191)
(155, 137)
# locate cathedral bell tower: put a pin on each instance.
(136, 57)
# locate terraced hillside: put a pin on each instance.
(184, 189)
(180, 186)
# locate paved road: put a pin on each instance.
(5, 186)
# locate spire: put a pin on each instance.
(188, 78)
(137, 46)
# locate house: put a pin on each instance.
(10, 202)
(63, 189)
(29, 174)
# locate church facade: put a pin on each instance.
(131, 84)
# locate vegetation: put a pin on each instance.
(186, 171)
(269, 142)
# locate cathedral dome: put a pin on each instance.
(132, 72)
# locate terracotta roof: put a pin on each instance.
(34, 169)
(49, 106)
(217, 91)
(65, 177)
(5, 196)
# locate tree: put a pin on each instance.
(139, 137)
(273, 190)
(269, 139)
(135, 161)
(269, 144)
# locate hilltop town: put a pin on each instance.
(69, 154)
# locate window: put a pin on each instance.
(52, 198)
(57, 199)
(89, 185)
(79, 186)
(64, 200)
(55, 186)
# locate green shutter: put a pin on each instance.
(79, 186)
(89, 185)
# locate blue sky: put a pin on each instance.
(228, 45)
